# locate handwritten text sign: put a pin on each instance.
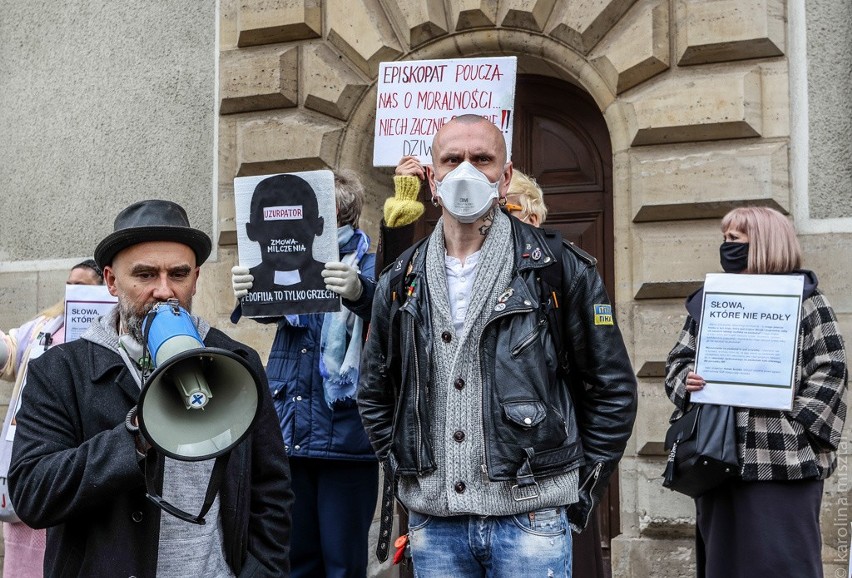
(416, 98)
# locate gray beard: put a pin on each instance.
(132, 320)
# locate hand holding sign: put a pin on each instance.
(410, 166)
(343, 280)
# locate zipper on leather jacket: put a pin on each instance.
(596, 472)
(529, 338)
(418, 433)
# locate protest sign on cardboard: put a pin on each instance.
(286, 232)
(415, 98)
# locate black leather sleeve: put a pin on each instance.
(607, 396)
(376, 392)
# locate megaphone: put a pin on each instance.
(199, 402)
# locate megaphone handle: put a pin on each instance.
(154, 464)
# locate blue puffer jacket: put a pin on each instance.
(310, 428)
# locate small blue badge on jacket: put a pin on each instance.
(603, 314)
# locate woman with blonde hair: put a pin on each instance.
(766, 523)
(525, 200)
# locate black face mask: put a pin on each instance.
(733, 257)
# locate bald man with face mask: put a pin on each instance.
(465, 394)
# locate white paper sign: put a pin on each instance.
(748, 340)
(415, 98)
(84, 304)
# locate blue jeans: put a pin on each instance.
(530, 545)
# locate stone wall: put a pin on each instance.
(104, 104)
(101, 104)
(696, 98)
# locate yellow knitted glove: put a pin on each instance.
(403, 208)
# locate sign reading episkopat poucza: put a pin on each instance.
(416, 98)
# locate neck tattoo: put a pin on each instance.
(489, 220)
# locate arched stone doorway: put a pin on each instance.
(553, 61)
(695, 98)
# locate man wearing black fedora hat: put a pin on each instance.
(77, 465)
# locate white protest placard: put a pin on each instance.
(84, 304)
(748, 339)
(286, 232)
(415, 98)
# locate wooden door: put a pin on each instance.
(560, 138)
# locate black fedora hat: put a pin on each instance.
(152, 220)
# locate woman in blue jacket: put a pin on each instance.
(313, 376)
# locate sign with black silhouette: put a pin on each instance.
(286, 232)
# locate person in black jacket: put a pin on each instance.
(313, 377)
(465, 396)
(78, 459)
(525, 201)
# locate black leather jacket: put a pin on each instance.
(535, 424)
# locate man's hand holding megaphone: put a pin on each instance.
(131, 422)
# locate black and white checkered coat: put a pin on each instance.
(785, 445)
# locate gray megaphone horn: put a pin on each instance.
(197, 404)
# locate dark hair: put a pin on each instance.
(283, 189)
(90, 264)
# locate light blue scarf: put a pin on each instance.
(339, 363)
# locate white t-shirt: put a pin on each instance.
(460, 279)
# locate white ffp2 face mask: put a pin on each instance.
(466, 193)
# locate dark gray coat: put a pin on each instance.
(74, 470)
